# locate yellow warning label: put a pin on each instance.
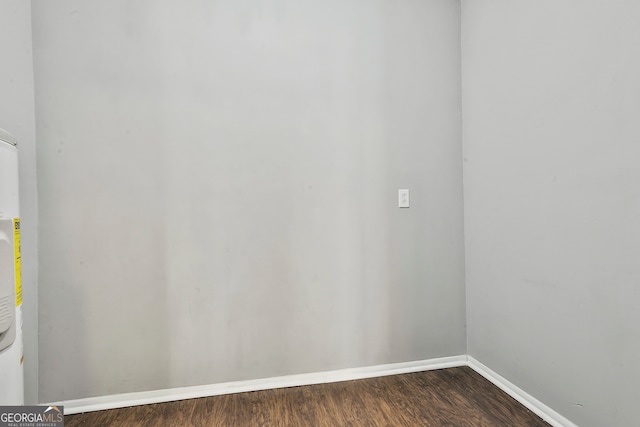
(16, 242)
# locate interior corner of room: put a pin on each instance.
(209, 195)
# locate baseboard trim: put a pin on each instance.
(169, 395)
(530, 402)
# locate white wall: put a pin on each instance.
(218, 189)
(551, 101)
(17, 117)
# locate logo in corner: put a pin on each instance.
(32, 416)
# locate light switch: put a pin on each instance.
(403, 198)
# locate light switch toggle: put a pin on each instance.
(403, 198)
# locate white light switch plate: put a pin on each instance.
(403, 198)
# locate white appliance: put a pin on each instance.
(11, 350)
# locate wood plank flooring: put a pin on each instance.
(456, 397)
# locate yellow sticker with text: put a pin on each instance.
(16, 242)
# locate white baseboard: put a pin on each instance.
(168, 395)
(530, 402)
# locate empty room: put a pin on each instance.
(323, 213)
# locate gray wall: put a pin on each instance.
(17, 117)
(218, 189)
(552, 202)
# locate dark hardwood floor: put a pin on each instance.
(456, 397)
